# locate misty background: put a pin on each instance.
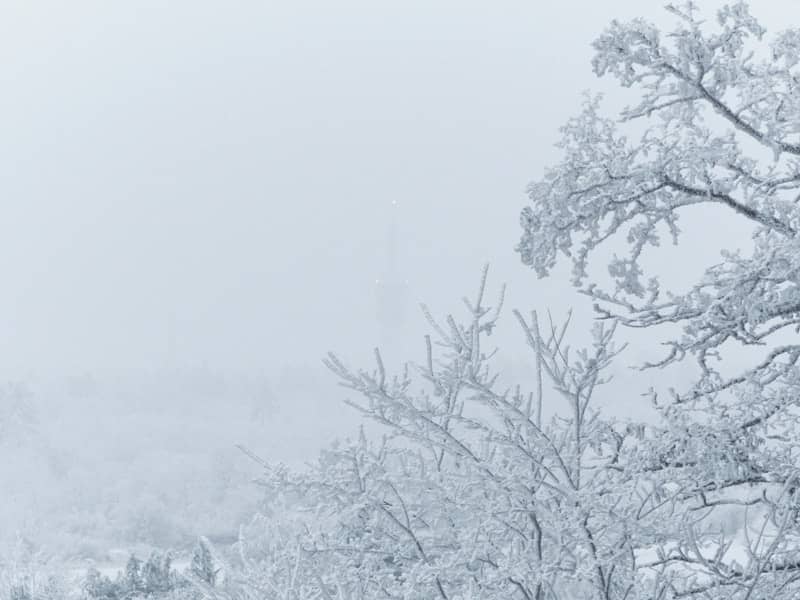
(197, 204)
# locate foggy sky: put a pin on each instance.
(209, 183)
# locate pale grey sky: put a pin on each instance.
(196, 182)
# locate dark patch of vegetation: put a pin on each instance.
(153, 579)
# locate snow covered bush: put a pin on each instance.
(26, 574)
(470, 493)
(154, 578)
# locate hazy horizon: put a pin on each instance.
(187, 186)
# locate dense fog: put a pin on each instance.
(200, 199)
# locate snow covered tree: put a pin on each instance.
(471, 493)
(133, 574)
(202, 565)
(719, 108)
(157, 574)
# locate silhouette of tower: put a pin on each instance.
(391, 291)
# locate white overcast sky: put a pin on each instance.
(219, 174)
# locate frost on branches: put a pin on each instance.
(471, 494)
(720, 107)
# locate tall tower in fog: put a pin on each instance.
(391, 291)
